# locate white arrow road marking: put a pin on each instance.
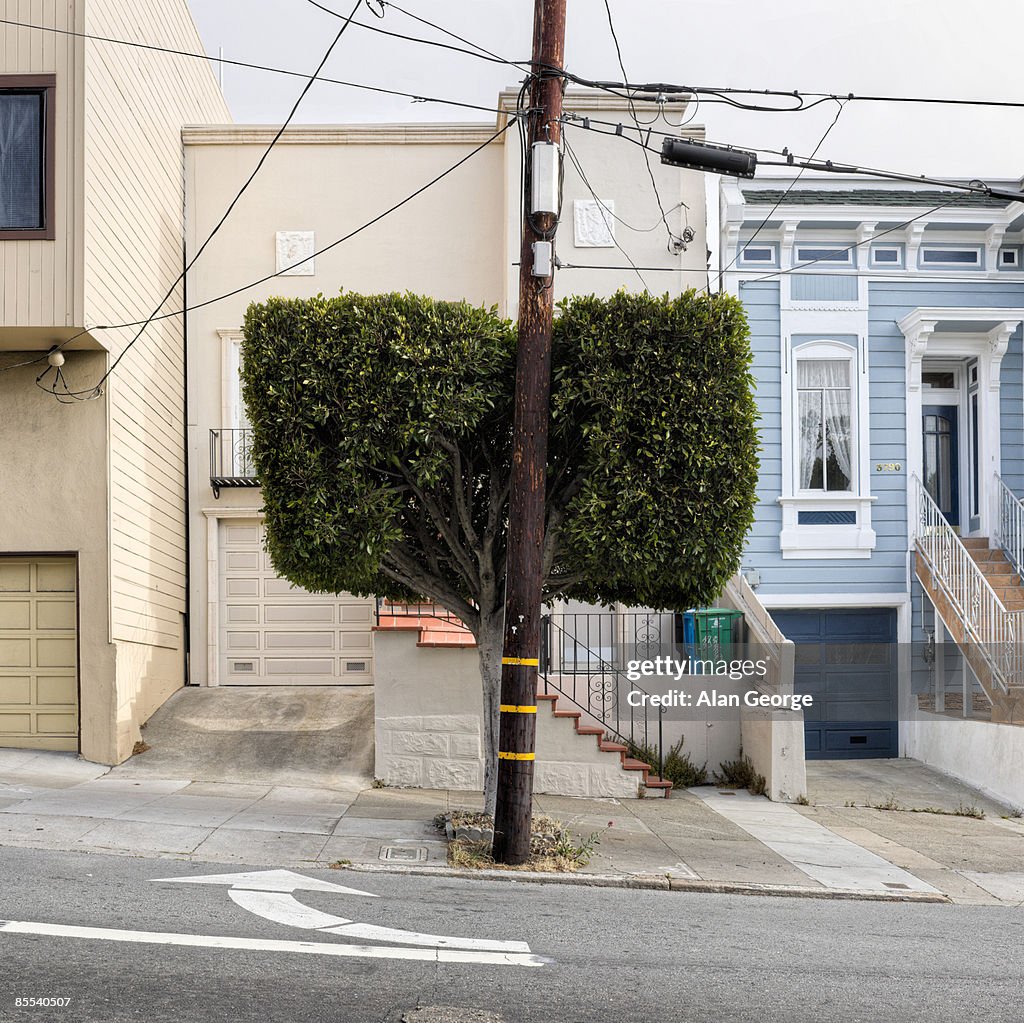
(282, 908)
(267, 893)
(433, 955)
(269, 881)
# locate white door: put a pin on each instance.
(38, 653)
(273, 633)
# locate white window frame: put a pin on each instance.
(746, 260)
(839, 255)
(896, 264)
(232, 406)
(1014, 263)
(926, 250)
(853, 540)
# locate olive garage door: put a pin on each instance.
(847, 660)
(273, 633)
(38, 653)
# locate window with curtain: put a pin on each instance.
(22, 160)
(825, 433)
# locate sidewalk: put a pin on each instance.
(701, 838)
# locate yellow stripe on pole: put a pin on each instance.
(529, 661)
(511, 708)
(516, 756)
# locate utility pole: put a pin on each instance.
(521, 651)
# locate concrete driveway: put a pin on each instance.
(298, 736)
(893, 784)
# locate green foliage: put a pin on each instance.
(382, 441)
(740, 774)
(653, 400)
(679, 767)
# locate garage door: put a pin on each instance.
(847, 660)
(38, 653)
(273, 633)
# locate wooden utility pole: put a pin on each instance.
(513, 813)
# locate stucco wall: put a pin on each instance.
(988, 756)
(429, 728)
(53, 499)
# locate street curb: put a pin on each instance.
(652, 882)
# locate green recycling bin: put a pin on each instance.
(716, 631)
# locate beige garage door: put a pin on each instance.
(272, 633)
(38, 653)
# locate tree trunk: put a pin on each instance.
(489, 646)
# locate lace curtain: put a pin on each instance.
(20, 160)
(826, 449)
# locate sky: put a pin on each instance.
(936, 48)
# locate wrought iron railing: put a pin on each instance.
(231, 461)
(595, 681)
(614, 638)
(1010, 525)
(983, 620)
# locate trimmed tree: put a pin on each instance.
(382, 440)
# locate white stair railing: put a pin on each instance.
(984, 620)
(1010, 525)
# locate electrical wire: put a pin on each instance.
(319, 252)
(97, 390)
(250, 66)
(675, 243)
(523, 65)
(574, 159)
(782, 198)
(477, 52)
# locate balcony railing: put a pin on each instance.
(231, 462)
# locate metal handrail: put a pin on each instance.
(985, 620)
(600, 690)
(1010, 525)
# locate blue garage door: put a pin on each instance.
(847, 660)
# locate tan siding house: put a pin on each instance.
(97, 484)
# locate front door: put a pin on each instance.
(942, 459)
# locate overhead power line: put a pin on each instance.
(249, 65)
(192, 307)
(96, 391)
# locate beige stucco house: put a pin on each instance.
(93, 526)
(458, 240)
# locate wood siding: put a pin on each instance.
(135, 104)
(40, 279)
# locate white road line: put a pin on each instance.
(435, 955)
(373, 933)
(830, 859)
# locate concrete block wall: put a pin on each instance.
(429, 727)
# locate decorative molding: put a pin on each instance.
(295, 253)
(339, 135)
(594, 223)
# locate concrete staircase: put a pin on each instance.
(653, 786)
(445, 631)
(994, 703)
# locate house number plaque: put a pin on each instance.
(888, 467)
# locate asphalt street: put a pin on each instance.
(594, 953)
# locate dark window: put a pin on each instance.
(26, 156)
(938, 380)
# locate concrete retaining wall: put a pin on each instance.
(429, 727)
(986, 755)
